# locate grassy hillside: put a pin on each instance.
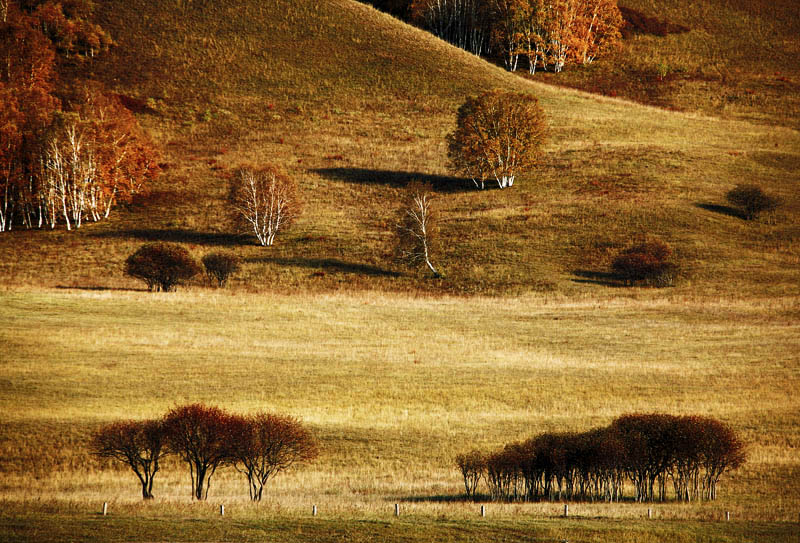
(355, 104)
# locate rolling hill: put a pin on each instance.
(355, 104)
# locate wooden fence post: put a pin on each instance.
(397, 509)
(566, 510)
(314, 511)
(483, 510)
(222, 510)
(105, 508)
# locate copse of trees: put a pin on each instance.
(61, 161)
(649, 450)
(220, 266)
(547, 33)
(498, 135)
(207, 438)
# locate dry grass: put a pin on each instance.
(393, 386)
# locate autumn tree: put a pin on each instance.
(265, 201)
(650, 261)
(498, 135)
(417, 229)
(266, 444)
(204, 438)
(162, 265)
(220, 266)
(472, 466)
(752, 200)
(138, 444)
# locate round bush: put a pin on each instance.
(162, 265)
(649, 262)
(751, 200)
(220, 266)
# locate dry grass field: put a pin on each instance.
(393, 387)
(394, 372)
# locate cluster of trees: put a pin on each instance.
(647, 450)
(68, 152)
(206, 438)
(547, 33)
(162, 266)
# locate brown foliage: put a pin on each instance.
(203, 437)
(649, 261)
(162, 265)
(139, 444)
(266, 444)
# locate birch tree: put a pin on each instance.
(265, 201)
(417, 229)
(498, 135)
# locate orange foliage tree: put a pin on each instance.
(498, 135)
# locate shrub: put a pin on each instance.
(472, 466)
(751, 200)
(649, 262)
(220, 266)
(162, 265)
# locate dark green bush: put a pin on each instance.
(162, 265)
(751, 200)
(220, 266)
(649, 262)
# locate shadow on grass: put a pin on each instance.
(97, 288)
(178, 236)
(329, 265)
(722, 210)
(440, 183)
(607, 279)
(444, 498)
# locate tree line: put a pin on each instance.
(206, 438)
(652, 452)
(547, 34)
(70, 150)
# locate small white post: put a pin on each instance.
(105, 508)
(649, 513)
(222, 510)
(727, 515)
(483, 510)
(566, 510)
(397, 509)
(314, 511)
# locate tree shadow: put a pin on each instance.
(444, 498)
(608, 279)
(330, 265)
(177, 236)
(722, 210)
(98, 288)
(365, 176)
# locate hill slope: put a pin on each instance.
(355, 104)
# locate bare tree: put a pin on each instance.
(265, 200)
(417, 227)
(139, 444)
(267, 444)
